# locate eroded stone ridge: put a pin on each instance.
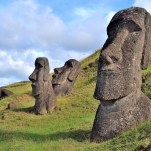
(42, 90)
(64, 77)
(118, 87)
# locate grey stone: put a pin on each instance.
(14, 104)
(118, 87)
(42, 90)
(5, 93)
(64, 77)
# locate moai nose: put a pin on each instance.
(57, 70)
(32, 77)
(108, 60)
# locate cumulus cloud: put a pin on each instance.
(25, 25)
(30, 30)
(84, 13)
(110, 15)
(29, 25)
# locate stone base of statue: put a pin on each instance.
(117, 116)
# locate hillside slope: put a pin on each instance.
(69, 126)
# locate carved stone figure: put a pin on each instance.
(5, 93)
(118, 86)
(42, 90)
(64, 77)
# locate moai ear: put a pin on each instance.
(147, 42)
(46, 69)
(74, 73)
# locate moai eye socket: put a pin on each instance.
(69, 64)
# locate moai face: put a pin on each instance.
(65, 76)
(40, 76)
(45, 99)
(124, 54)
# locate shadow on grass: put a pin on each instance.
(26, 110)
(29, 93)
(78, 135)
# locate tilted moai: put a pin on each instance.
(5, 93)
(42, 90)
(118, 87)
(64, 77)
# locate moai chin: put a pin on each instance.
(45, 99)
(64, 77)
(118, 87)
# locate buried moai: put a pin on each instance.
(64, 77)
(42, 90)
(118, 86)
(5, 93)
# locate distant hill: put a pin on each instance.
(68, 127)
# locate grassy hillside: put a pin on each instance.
(69, 126)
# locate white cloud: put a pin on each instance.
(84, 13)
(29, 30)
(26, 24)
(110, 15)
(143, 3)
(3, 53)
(6, 81)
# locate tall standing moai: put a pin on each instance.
(42, 90)
(118, 87)
(64, 77)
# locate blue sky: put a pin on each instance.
(56, 29)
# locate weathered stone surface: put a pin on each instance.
(5, 93)
(118, 87)
(13, 104)
(64, 77)
(42, 90)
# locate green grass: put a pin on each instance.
(68, 127)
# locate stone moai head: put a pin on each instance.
(41, 86)
(124, 54)
(64, 77)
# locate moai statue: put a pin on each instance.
(118, 87)
(45, 99)
(64, 77)
(5, 93)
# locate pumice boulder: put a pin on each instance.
(42, 90)
(64, 77)
(118, 87)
